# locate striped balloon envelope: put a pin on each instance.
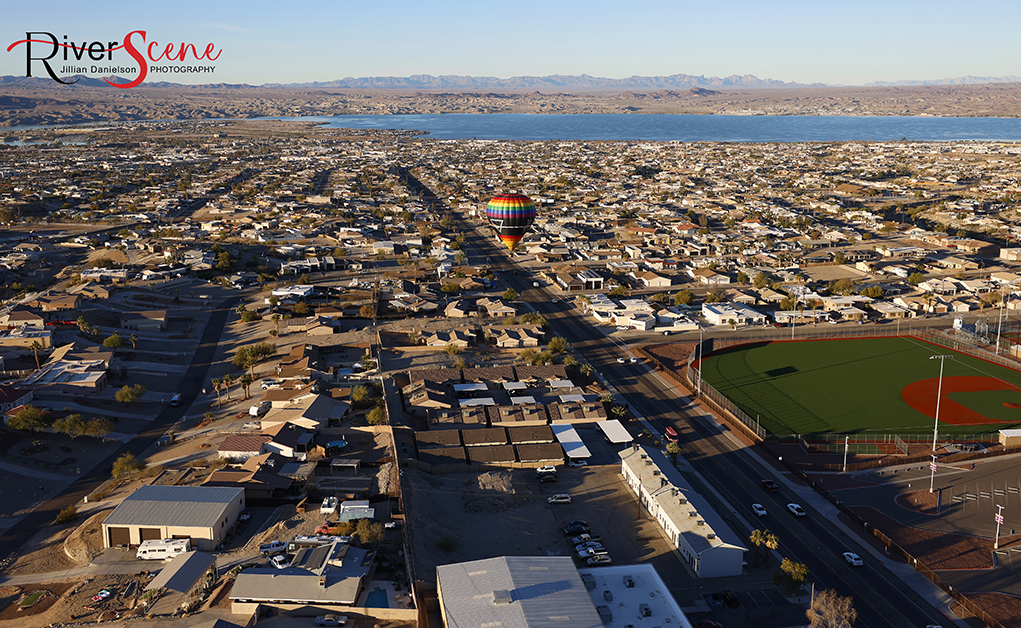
(511, 215)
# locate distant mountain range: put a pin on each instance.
(555, 81)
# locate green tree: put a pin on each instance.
(246, 382)
(839, 258)
(361, 397)
(557, 345)
(714, 296)
(249, 316)
(73, 425)
(461, 363)
(134, 341)
(771, 541)
(98, 427)
(114, 342)
(618, 292)
(916, 278)
(369, 532)
(742, 277)
(761, 280)
(367, 311)
(683, 297)
(301, 309)
(791, 576)
(510, 294)
(528, 356)
(130, 393)
(30, 418)
(450, 288)
(126, 465)
(452, 349)
(377, 416)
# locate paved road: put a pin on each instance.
(19, 534)
(880, 598)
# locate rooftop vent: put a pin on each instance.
(502, 596)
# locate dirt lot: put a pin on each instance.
(68, 601)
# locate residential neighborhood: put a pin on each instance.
(246, 319)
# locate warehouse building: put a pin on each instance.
(201, 513)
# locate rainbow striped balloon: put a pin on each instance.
(511, 215)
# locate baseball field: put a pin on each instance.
(878, 385)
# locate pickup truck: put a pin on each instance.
(272, 548)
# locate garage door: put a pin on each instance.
(150, 534)
(119, 536)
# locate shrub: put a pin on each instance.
(67, 515)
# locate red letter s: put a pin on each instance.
(137, 56)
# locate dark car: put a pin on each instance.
(546, 478)
(715, 599)
(576, 530)
(577, 522)
(730, 599)
(770, 485)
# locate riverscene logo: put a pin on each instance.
(149, 57)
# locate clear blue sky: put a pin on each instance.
(807, 41)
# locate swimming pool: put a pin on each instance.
(377, 598)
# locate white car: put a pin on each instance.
(554, 300)
(577, 462)
(269, 383)
(633, 360)
(759, 509)
(584, 538)
(796, 510)
(589, 553)
(559, 498)
(854, 559)
(279, 561)
(331, 620)
(621, 361)
(549, 468)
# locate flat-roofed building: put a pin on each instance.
(703, 539)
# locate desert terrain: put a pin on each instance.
(76, 104)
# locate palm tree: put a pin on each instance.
(757, 538)
(134, 341)
(771, 542)
(246, 381)
(227, 381)
(35, 347)
(217, 383)
(276, 321)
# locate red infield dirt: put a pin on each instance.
(921, 396)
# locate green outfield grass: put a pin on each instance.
(851, 386)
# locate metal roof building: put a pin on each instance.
(201, 513)
(515, 592)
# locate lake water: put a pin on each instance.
(684, 128)
(664, 127)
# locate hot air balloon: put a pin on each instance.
(511, 215)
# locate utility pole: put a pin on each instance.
(999, 520)
(932, 477)
(846, 447)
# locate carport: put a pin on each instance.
(615, 432)
(569, 439)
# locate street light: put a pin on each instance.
(932, 478)
(999, 520)
(939, 393)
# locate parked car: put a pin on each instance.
(769, 485)
(670, 434)
(176, 399)
(549, 468)
(587, 545)
(331, 620)
(796, 510)
(274, 547)
(577, 522)
(759, 509)
(577, 462)
(854, 559)
(279, 561)
(559, 498)
(252, 425)
(633, 360)
(730, 599)
(621, 361)
(601, 559)
(715, 599)
(546, 478)
(269, 383)
(576, 530)
(584, 538)
(589, 553)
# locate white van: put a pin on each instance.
(162, 549)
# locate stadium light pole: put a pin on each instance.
(698, 393)
(932, 477)
(939, 393)
(999, 328)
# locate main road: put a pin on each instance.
(879, 597)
